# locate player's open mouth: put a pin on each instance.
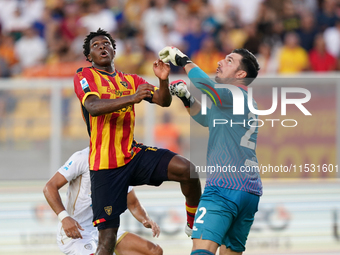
(218, 70)
(104, 54)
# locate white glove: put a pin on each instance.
(180, 89)
(174, 55)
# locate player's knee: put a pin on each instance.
(107, 240)
(179, 170)
(189, 173)
(201, 252)
(156, 250)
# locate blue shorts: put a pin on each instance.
(109, 187)
(225, 216)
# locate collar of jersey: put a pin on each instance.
(113, 74)
(242, 87)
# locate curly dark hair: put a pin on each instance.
(90, 36)
(248, 64)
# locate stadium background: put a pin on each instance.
(297, 43)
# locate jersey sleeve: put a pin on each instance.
(139, 81)
(219, 96)
(84, 84)
(76, 165)
(203, 120)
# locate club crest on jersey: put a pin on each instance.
(88, 246)
(124, 83)
(108, 210)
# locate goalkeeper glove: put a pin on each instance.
(174, 55)
(179, 88)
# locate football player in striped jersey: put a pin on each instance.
(108, 98)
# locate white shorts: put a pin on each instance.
(87, 245)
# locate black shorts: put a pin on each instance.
(109, 187)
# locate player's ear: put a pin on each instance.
(241, 74)
(89, 57)
(114, 54)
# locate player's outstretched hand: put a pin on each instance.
(143, 91)
(161, 69)
(153, 225)
(179, 88)
(71, 228)
(174, 55)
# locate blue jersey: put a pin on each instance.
(231, 155)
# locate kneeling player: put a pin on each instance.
(76, 233)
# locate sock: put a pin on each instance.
(191, 210)
(201, 252)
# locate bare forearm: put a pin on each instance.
(139, 213)
(96, 106)
(163, 96)
(53, 198)
(106, 106)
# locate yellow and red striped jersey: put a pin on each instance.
(111, 135)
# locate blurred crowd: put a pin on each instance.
(45, 37)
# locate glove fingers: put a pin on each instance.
(163, 55)
(173, 61)
(164, 51)
(168, 54)
(166, 59)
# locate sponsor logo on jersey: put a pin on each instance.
(88, 246)
(118, 93)
(84, 83)
(66, 167)
(108, 210)
(151, 149)
(125, 109)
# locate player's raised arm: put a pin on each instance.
(238, 68)
(162, 96)
(139, 212)
(177, 58)
(199, 78)
(51, 192)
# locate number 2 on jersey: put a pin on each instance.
(245, 139)
(199, 218)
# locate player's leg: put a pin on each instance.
(236, 237)
(109, 199)
(213, 219)
(227, 251)
(201, 246)
(132, 244)
(153, 166)
(179, 169)
(107, 241)
(85, 246)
